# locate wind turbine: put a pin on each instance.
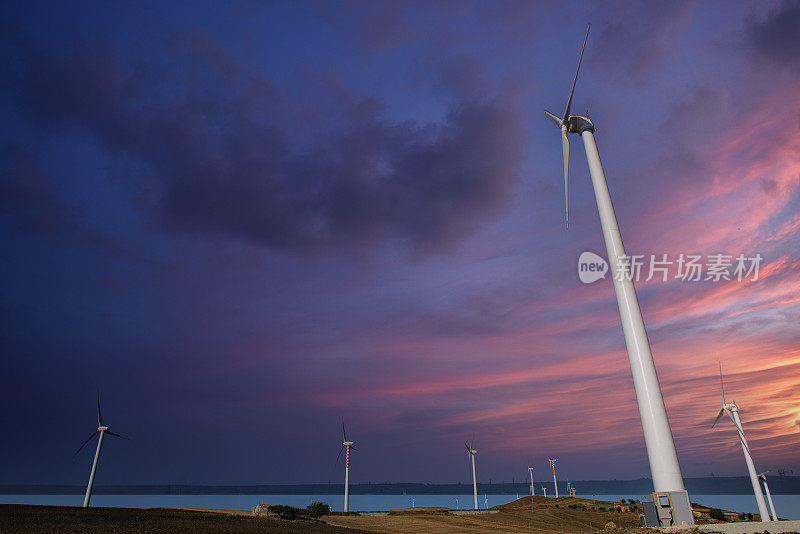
(412, 502)
(346, 446)
(456, 499)
(533, 490)
(763, 478)
(102, 430)
(553, 466)
(472, 452)
(544, 491)
(732, 412)
(657, 434)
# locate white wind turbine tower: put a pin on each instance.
(732, 411)
(533, 489)
(763, 478)
(657, 434)
(472, 452)
(346, 446)
(102, 430)
(553, 466)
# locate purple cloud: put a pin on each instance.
(774, 36)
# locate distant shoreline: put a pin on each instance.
(779, 485)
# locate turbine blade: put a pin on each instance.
(115, 434)
(99, 413)
(721, 385)
(85, 442)
(572, 91)
(338, 456)
(565, 150)
(722, 411)
(344, 434)
(352, 448)
(553, 118)
(467, 446)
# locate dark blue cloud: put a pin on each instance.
(28, 200)
(219, 138)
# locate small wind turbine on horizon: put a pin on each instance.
(732, 411)
(102, 430)
(763, 478)
(533, 489)
(472, 452)
(346, 446)
(553, 466)
(661, 453)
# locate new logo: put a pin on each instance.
(591, 267)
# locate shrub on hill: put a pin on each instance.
(318, 509)
(716, 513)
(312, 511)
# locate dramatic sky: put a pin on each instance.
(242, 221)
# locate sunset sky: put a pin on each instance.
(242, 221)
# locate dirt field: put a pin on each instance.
(23, 519)
(514, 517)
(548, 515)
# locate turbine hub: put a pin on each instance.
(579, 124)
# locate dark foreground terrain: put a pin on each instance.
(22, 518)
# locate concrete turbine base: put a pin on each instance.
(745, 527)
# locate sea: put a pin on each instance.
(786, 506)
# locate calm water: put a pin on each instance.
(787, 506)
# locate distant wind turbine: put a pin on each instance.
(732, 412)
(553, 466)
(346, 446)
(102, 430)
(533, 489)
(657, 434)
(472, 452)
(763, 478)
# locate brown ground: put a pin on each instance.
(515, 517)
(23, 519)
